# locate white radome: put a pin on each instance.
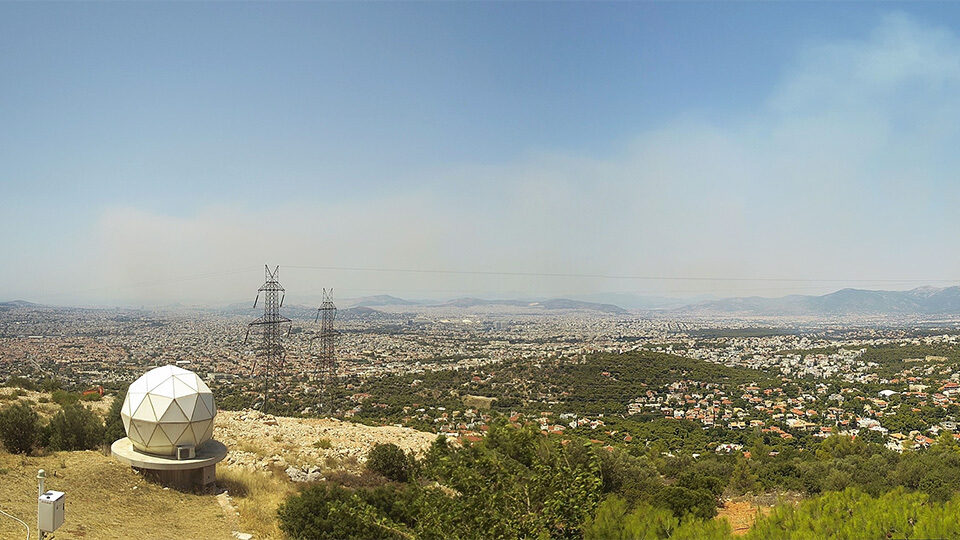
(168, 407)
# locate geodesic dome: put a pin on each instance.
(168, 407)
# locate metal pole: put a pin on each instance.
(41, 489)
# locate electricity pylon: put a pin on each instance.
(270, 353)
(327, 361)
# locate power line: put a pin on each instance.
(639, 277)
(154, 283)
(436, 271)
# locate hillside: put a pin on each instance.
(269, 458)
(919, 301)
(300, 446)
(105, 500)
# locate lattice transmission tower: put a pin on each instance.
(327, 360)
(270, 353)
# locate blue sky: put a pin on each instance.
(146, 142)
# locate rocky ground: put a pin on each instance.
(306, 448)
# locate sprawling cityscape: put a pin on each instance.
(893, 381)
(479, 270)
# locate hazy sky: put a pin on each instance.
(144, 143)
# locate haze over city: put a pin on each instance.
(473, 270)
(143, 144)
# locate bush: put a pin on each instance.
(19, 428)
(114, 424)
(49, 384)
(22, 382)
(699, 503)
(75, 428)
(64, 398)
(322, 512)
(390, 461)
(615, 521)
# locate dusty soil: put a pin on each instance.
(104, 499)
(741, 515)
(742, 512)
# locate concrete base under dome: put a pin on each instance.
(168, 470)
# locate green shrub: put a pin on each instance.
(19, 428)
(389, 460)
(49, 384)
(114, 424)
(63, 398)
(22, 382)
(321, 512)
(75, 428)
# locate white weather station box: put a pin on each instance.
(50, 511)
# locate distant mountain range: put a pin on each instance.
(17, 304)
(551, 304)
(380, 300)
(845, 302)
(920, 301)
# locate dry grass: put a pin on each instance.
(741, 512)
(257, 495)
(105, 499)
(40, 401)
(741, 515)
(251, 446)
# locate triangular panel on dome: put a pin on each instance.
(139, 385)
(133, 401)
(177, 370)
(181, 388)
(187, 437)
(199, 428)
(202, 386)
(160, 404)
(208, 434)
(188, 404)
(144, 430)
(189, 379)
(145, 412)
(174, 413)
(174, 431)
(202, 412)
(156, 376)
(126, 422)
(207, 400)
(159, 438)
(132, 433)
(165, 388)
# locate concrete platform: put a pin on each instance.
(199, 471)
(209, 453)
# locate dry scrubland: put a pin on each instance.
(266, 452)
(44, 406)
(106, 499)
(261, 441)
